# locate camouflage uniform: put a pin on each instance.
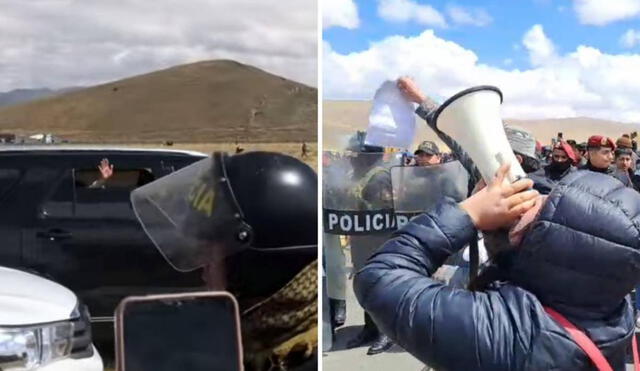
(373, 192)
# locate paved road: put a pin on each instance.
(341, 359)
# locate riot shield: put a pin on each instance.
(416, 189)
(357, 193)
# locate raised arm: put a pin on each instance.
(426, 109)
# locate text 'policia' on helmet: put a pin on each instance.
(223, 205)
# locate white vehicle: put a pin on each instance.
(42, 326)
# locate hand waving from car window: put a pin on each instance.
(106, 172)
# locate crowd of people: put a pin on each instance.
(450, 325)
(549, 164)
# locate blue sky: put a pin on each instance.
(566, 55)
(495, 42)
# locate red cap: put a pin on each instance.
(566, 147)
(597, 141)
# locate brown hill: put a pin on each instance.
(211, 101)
(342, 118)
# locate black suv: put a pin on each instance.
(56, 223)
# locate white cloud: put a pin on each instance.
(630, 39)
(602, 12)
(539, 46)
(408, 10)
(584, 82)
(340, 13)
(59, 43)
(469, 16)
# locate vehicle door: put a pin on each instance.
(89, 239)
(23, 179)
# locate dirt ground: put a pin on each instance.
(291, 149)
(341, 119)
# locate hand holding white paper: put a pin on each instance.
(392, 122)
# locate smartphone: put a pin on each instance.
(560, 135)
(193, 331)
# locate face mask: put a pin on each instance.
(560, 166)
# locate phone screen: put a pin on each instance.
(195, 334)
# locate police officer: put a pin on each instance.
(334, 167)
(427, 154)
(372, 191)
(250, 221)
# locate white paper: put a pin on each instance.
(392, 121)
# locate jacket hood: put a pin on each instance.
(582, 254)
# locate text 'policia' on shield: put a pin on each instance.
(351, 223)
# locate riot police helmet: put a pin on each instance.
(224, 205)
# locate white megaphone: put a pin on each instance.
(472, 118)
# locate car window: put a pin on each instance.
(83, 194)
(121, 179)
(109, 199)
(169, 165)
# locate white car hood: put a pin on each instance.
(26, 299)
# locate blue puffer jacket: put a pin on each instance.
(581, 258)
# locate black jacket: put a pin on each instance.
(581, 258)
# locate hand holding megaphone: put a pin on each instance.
(501, 203)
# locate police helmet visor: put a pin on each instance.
(191, 215)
